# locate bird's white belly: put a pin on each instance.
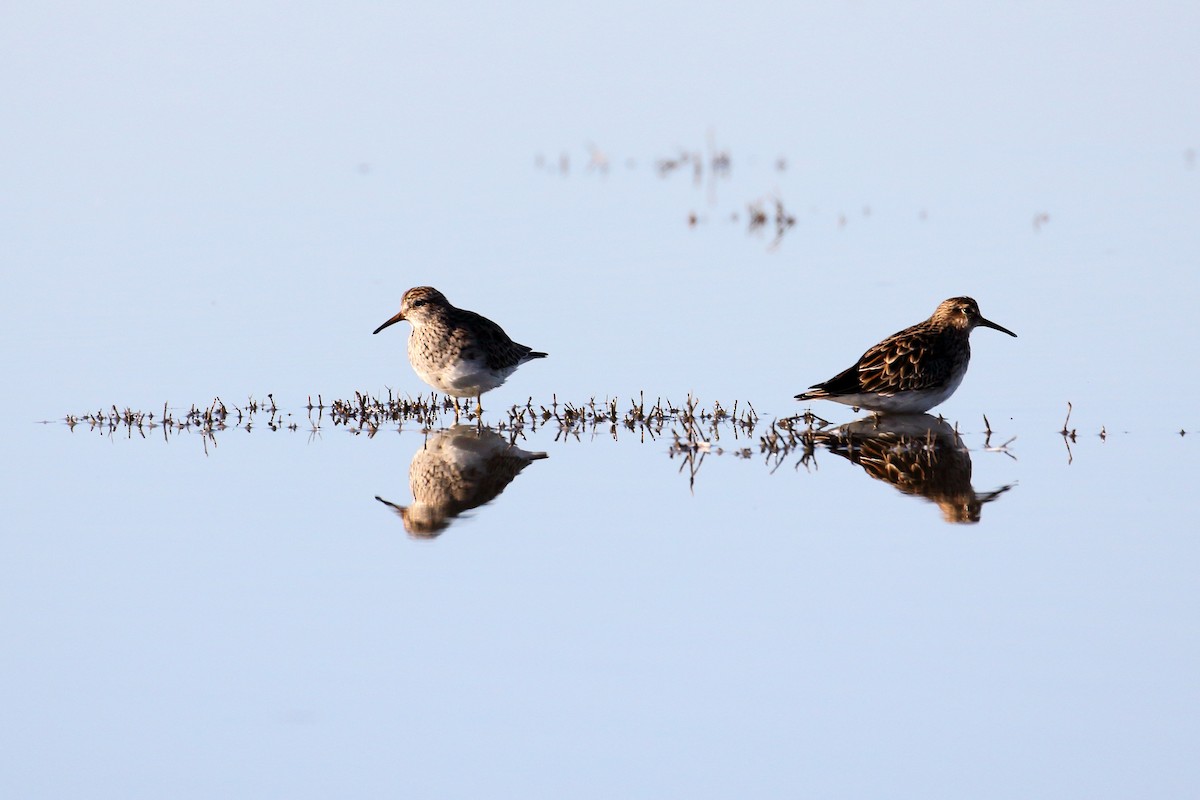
(916, 401)
(463, 377)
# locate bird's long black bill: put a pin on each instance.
(400, 316)
(985, 323)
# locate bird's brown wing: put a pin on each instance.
(904, 362)
(494, 344)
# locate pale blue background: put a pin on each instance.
(225, 200)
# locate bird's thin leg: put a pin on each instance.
(479, 403)
(457, 410)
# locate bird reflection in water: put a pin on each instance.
(919, 455)
(456, 470)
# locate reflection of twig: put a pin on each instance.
(987, 441)
(758, 216)
(666, 166)
(1000, 448)
(715, 165)
(783, 222)
(706, 168)
(1068, 435)
(693, 428)
(693, 464)
(315, 424)
(1067, 422)
(696, 431)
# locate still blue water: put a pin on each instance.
(225, 202)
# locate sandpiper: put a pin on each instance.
(454, 350)
(911, 371)
(457, 470)
(919, 455)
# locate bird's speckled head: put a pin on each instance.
(422, 521)
(963, 313)
(419, 305)
(420, 300)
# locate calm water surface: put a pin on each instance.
(185, 610)
(224, 203)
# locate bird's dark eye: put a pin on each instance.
(418, 303)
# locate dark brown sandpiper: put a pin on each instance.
(911, 371)
(454, 350)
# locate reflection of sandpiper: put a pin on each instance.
(911, 371)
(919, 455)
(454, 350)
(456, 470)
